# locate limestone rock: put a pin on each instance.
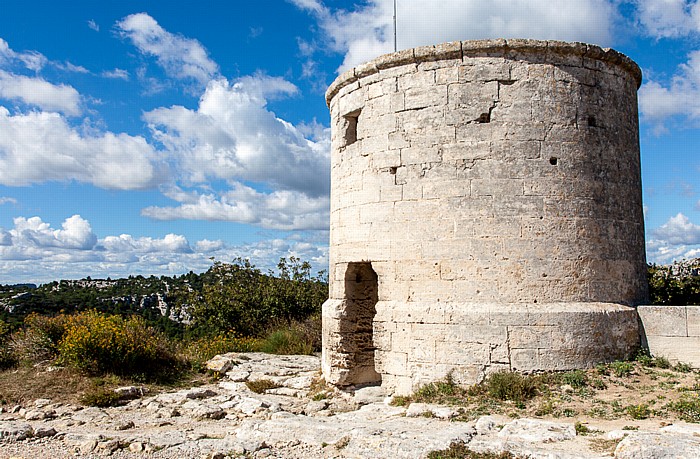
(430, 410)
(220, 364)
(13, 431)
(534, 430)
(652, 445)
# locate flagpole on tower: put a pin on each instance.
(395, 48)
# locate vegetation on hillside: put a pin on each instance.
(153, 328)
(677, 284)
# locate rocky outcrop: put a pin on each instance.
(228, 419)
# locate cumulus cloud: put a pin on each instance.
(678, 230)
(70, 67)
(284, 210)
(172, 243)
(40, 93)
(39, 147)
(119, 74)
(668, 18)
(233, 136)
(678, 238)
(33, 251)
(679, 97)
(367, 31)
(93, 25)
(181, 58)
(76, 233)
(6, 200)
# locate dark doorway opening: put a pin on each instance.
(361, 295)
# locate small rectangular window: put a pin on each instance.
(350, 126)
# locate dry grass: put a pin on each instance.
(642, 390)
(24, 384)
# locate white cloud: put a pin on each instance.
(32, 60)
(70, 67)
(41, 147)
(33, 232)
(181, 58)
(668, 18)
(32, 251)
(233, 136)
(119, 74)
(93, 25)
(678, 230)
(39, 92)
(125, 243)
(5, 200)
(680, 97)
(676, 239)
(367, 31)
(284, 210)
(206, 245)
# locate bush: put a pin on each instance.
(294, 338)
(621, 368)
(688, 408)
(460, 450)
(96, 344)
(677, 284)
(576, 379)
(508, 385)
(203, 349)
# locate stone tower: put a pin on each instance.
(486, 213)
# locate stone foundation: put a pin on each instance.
(422, 342)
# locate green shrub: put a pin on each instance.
(576, 379)
(621, 368)
(688, 408)
(508, 385)
(100, 397)
(641, 411)
(96, 344)
(682, 367)
(295, 338)
(259, 386)
(460, 450)
(198, 351)
(677, 284)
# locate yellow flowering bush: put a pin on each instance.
(203, 349)
(98, 343)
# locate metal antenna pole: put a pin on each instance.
(395, 48)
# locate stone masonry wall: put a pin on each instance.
(482, 173)
(672, 332)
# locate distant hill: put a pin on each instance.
(170, 302)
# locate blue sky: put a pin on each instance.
(143, 137)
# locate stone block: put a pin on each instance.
(693, 317)
(676, 348)
(663, 320)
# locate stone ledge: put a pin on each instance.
(552, 51)
(672, 332)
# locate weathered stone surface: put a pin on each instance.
(502, 173)
(219, 364)
(536, 431)
(649, 445)
(348, 425)
(430, 410)
(14, 431)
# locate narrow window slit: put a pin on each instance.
(351, 120)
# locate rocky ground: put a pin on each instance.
(228, 419)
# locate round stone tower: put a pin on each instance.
(486, 213)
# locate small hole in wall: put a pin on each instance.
(553, 161)
(484, 118)
(351, 119)
(592, 121)
(392, 170)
